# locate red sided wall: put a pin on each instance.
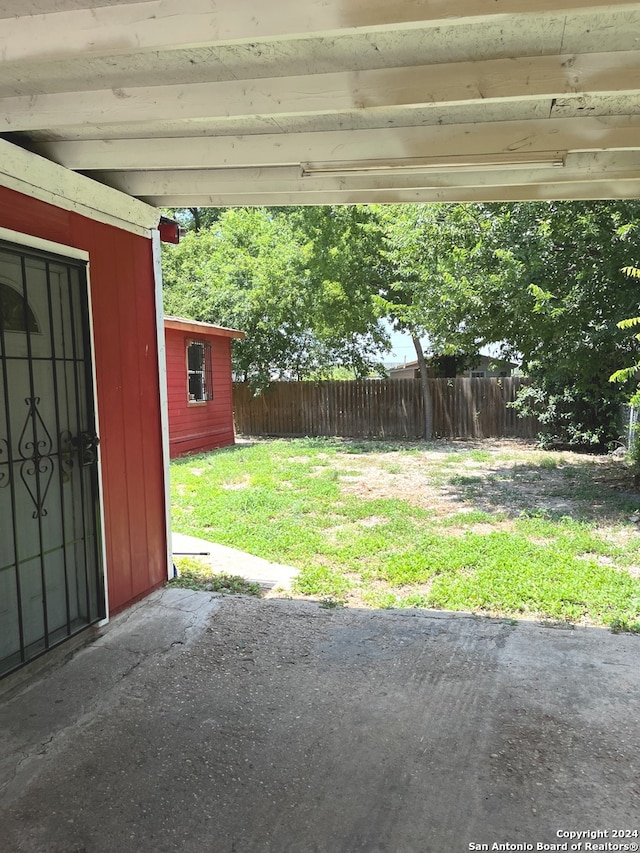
(126, 362)
(205, 426)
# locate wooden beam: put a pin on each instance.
(157, 25)
(528, 192)
(391, 144)
(445, 84)
(594, 168)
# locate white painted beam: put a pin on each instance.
(392, 144)
(528, 192)
(359, 183)
(445, 84)
(157, 25)
(582, 167)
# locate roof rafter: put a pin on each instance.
(444, 84)
(153, 25)
(526, 192)
(394, 144)
(573, 168)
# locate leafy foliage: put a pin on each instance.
(439, 264)
(195, 218)
(542, 278)
(570, 416)
(627, 374)
(291, 281)
(561, 312)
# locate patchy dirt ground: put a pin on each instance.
(501, 476)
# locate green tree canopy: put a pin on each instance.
(561, 310)
(289, 280)
(544, 279)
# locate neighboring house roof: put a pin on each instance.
(409, 365)
(198, 327)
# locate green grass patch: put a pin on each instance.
(479, 456)
(283, 500)
(465, 480)
(194, 574)
(471, 517)
(621, 626)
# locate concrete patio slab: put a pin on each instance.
(221, 558)
(203, 724)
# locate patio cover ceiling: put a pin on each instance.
(244, 102)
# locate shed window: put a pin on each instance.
(477, 374)
(199, 374)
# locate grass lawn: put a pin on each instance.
(495, 527)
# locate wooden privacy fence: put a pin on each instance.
(381, 408)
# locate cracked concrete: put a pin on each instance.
(59, 704)
(204, 724)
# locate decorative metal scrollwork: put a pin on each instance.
(35, 450)
(67, 452)
(4, 463)
(36, 456)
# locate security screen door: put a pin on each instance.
(50, 568)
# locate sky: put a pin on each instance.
(403, 349)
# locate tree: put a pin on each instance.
(345, 267)
(286, 280)
(628, 376)
(195, 218)
(560, 311)
(440, 267)
(540, 278)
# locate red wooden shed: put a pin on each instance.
(83, 507)
(199, 385)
